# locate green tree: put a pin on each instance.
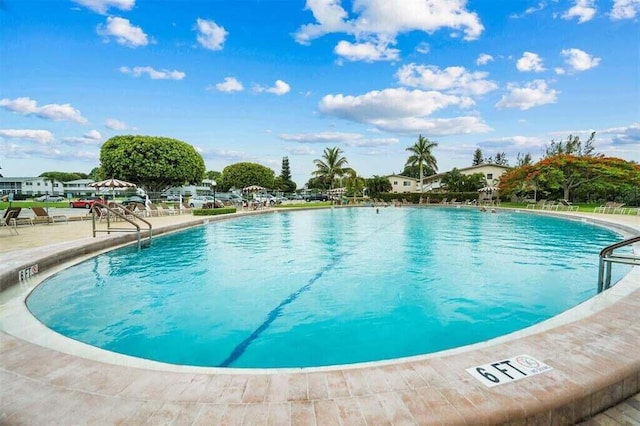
(566, 173)
(524, 159)
(320, 182)
(354, 184)
(96, 174)
(284, 182)
(214, 175)
(331, 165)
(501, 159)
(422, 156)
(241, 175)
(414, 171)
(62, 176)
(153, 163)
(377, 185)
(477, 157)
(572, 146)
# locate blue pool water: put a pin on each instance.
(326, 287)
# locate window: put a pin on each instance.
(489, 176)
(395, 182)
(405, 183)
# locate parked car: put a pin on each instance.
(203, 201)
(86, 202)
(266, 198)
(316, 197)
(230, 197)
(173, 197)
(50, 198)
(133, 200)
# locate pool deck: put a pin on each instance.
(593, 351)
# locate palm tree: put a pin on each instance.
(332, 165)
(421, 156)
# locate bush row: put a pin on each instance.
(213, 212)
(434, 197)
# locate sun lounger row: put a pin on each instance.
(562, 204)
(610, 207)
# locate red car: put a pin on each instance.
(86, 202)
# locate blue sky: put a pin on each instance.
(257, 80)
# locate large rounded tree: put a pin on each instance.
(153, 163)
(241, 175)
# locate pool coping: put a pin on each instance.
(592, 350)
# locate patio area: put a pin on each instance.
(45, 378)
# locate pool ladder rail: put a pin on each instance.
(101, 211)
(607, 257)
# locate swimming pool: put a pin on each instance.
(326, 287)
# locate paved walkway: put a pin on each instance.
(48, 379)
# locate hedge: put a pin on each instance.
(213, 212)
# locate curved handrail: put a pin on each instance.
(118, 213)
(607, 257)
(609, 249)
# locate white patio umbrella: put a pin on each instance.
(488, 189)
(113, 184)
(253, 188)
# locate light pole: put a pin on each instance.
(213, 186)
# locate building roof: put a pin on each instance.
(403, 177)
(467, 169)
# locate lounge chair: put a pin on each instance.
(538, 205)
(8, 220)
(41, 215)
(168, 210)
(567, 205)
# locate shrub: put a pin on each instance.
(213, 212)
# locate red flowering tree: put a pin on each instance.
(569, 172)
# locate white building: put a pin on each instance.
(491, 172)
(403, 184)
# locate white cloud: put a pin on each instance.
(559, 71)
(627, 135)
(625, 9)
(532, 94)
(43, 137)
(515, 143)
(102, 6)
(350, 139)
(452, 79)
(423, 48)
(401, 110)
(530, 62)
(210, 35)
(124, 33)
(584, 10)
(56, 112)
(279, 89)
(300, 150)
(153, 73)
(367, 52)
(113, 124)
(530, 10)
(225, 154)
(484, 59)
(93, 137)
(579, 60)
(229, 85)
(378, 22)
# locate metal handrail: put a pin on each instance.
(607, 257)
(118, 213)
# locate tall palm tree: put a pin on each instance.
(421, 156)
(332, 165)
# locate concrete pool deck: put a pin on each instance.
(593, 350)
